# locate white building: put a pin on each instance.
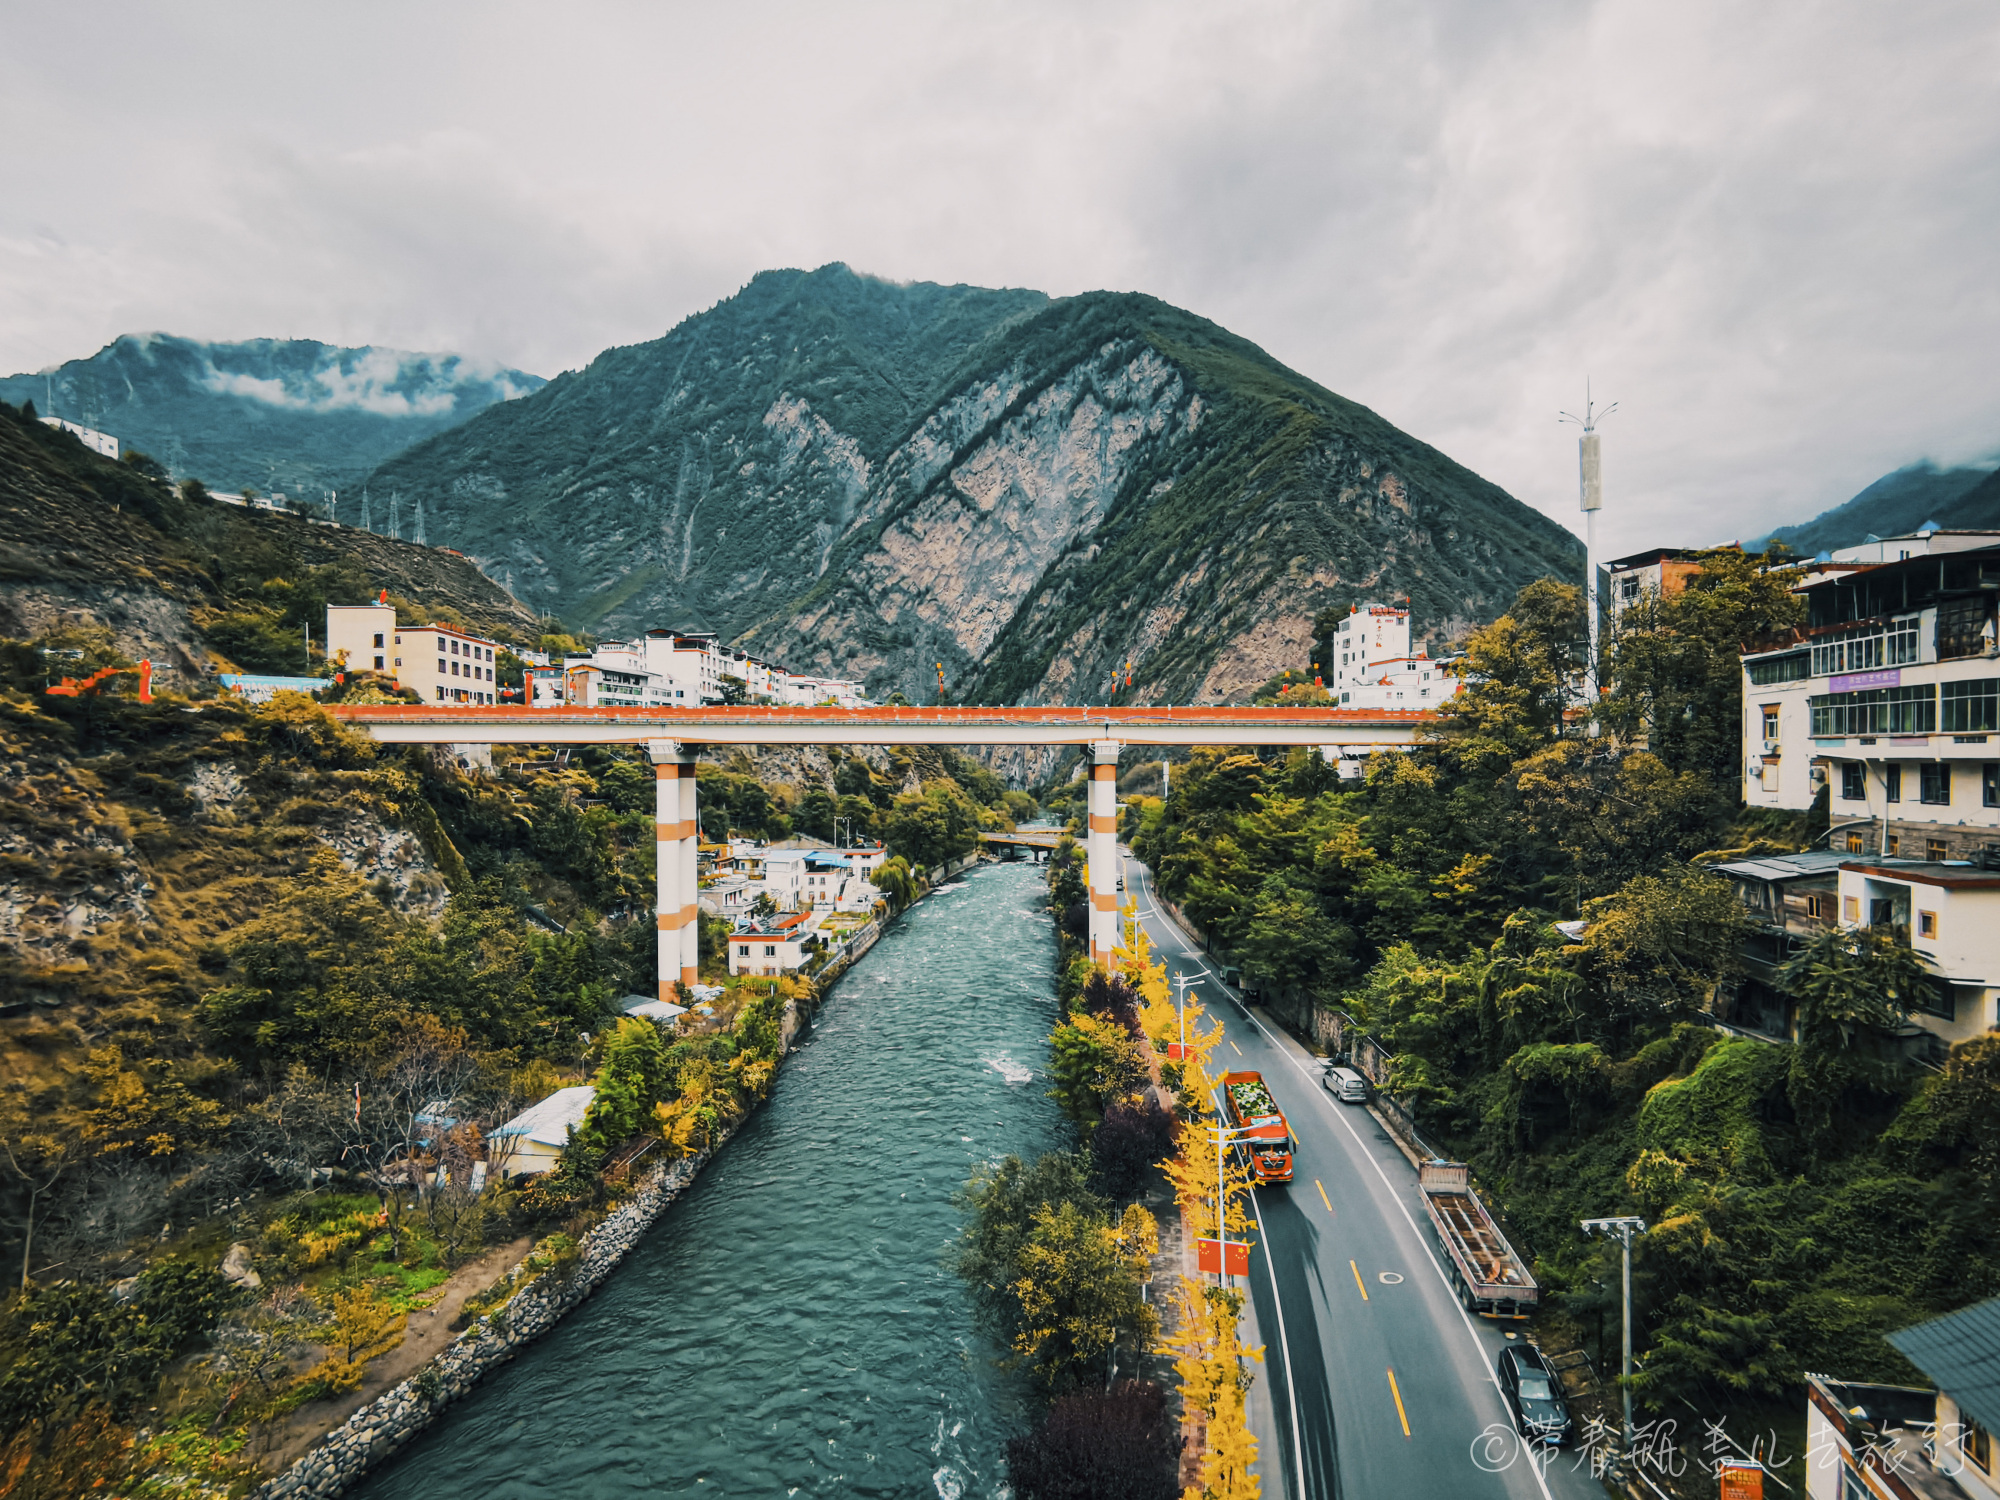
(1374, 667)
(95, 441)
(441, 662)
(1949, 913)
(774, 947)
(533, 1141)
(1889, 697)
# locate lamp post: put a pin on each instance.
(1223, 1136)
(1622, 1229)
(1181, 982)
(1590, 496)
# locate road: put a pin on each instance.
(1392, 1382)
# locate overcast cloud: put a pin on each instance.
(1768, 231)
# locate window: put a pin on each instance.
(1795, 667)
(770, 950)
(1989, 784)
(1853, 782)
(399, 661)
(378, 663)
(1857, 651)
(1892, 783)
(1770, 721)
(742, 950)
(1894, 845)
(1813, 905)
(440, 691)
(440, 666)
(1896, 710)
(1927, 924)
(1902, 642)
(440, 645)
(1934, 783)
(1962, 626)
(1850, 906)
(1767, 776)
(1853, 838)
(454, 648)
(1936, 849)
(1977, 1442)
(1972, 707)
(378, 640)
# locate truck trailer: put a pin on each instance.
(1486, 1273)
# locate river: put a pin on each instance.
(788, 1327)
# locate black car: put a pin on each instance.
(1535, 1394)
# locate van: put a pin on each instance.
(1346, 1085)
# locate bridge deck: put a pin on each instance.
(501, 725)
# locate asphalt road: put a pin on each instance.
(1392, 1382)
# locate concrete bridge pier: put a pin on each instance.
(675, 835)
(1101, 850)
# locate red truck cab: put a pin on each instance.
(1249, 1107)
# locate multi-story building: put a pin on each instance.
(1659, 573)
(441, 662)
(1889, 699)
(1374, 667)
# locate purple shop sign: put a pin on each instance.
(1855, 681)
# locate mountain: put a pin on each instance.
(193, 584)
(278, 415)
(1895, 503)
(858, 476)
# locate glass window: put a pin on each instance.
(1770, 721)
(1892, 782)
(1934, 783)
(378, 638)
(1972, 707)
(1858, 651)
(1850, 906)
(1989, 784)
(1795, 667)
(1902, 642)
(1927, 924)
(1854, 846)
(1896, 710)
(1854, 782)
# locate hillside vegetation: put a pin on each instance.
(859, 477)
(190, 583)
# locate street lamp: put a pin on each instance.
(1622, 1229)
(1223, 1136)
(1181, 982)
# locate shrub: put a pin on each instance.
(1132, 1138)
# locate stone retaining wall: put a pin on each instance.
(389, 1421)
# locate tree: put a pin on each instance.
(1615, 815)
(928, 828)
(1077, 1290)
(631, 1081)
(1850, 981)
(1676, 671)
(1521, 674)
(1132, 1139)
(1092, 1062)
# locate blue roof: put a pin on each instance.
(1961, 1353)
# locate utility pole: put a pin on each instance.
(1622, 1229)
(1590, 495)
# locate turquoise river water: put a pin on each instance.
(789, 1327)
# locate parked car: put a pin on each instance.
(1535, 1393)
(1346, 1085)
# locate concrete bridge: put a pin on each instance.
(674, 736)
(1036, 839)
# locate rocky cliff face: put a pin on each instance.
(859, 478)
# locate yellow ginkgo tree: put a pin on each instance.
(1209, 1359)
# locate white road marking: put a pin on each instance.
(1492, 1376)
(1284, 1351)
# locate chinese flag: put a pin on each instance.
(1175, 1051)
(1235, 1256)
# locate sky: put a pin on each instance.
(1769, 232)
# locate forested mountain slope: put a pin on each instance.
(1898, 503)
(291, 415)
(191, 583)
(860, 477)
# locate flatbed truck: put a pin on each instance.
(1485, 1272)
(1248, 1106)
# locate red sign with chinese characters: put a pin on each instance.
(1742, 1481)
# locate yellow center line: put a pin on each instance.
(1236, 1049)
(1322, 1194)
(1401, 1415)
(1358, 1281)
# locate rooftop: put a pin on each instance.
(1961, 1352)
(550, 1122)
(1784, 866)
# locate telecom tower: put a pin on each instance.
(421, 539)
(396, 514)
(364, 508)
(1590, 494)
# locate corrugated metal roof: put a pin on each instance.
(1784, 866)
(549, 1122)
(1961, 1352)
